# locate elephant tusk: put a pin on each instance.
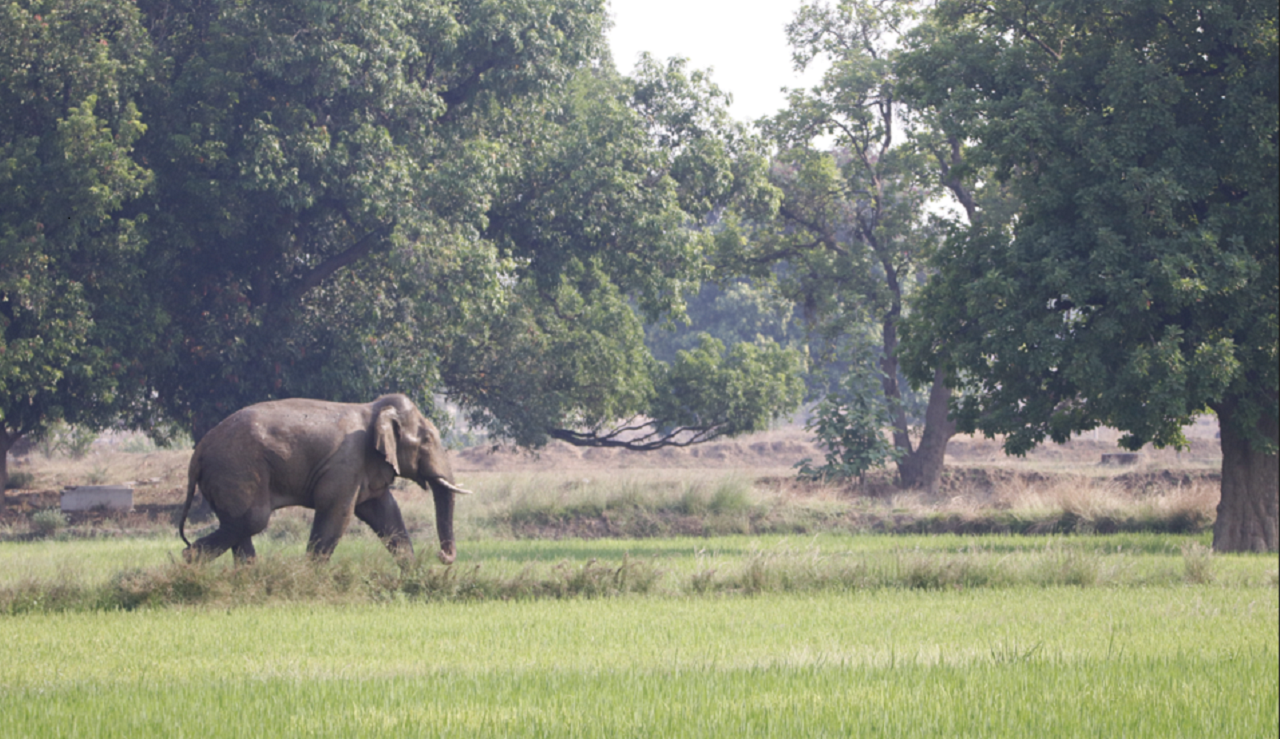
(453, 488)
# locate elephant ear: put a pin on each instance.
(385, 437)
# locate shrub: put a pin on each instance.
(48, 521)
(848, 424)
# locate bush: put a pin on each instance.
(848, 424)
(48, 521)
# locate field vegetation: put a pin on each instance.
(1172, 660)
(728, 518)
(701, 595)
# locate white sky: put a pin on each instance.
(744, 43)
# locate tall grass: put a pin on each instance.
(362, 572)
(662, 503)
(711, 503)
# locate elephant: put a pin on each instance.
(335, 458)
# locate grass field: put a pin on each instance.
(1067, 661)
(1157, 639)
(47, 576)
(575, 609)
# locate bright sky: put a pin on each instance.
(744, 43)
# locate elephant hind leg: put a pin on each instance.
(210, 547)
(234, 533)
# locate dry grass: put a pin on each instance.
(737, 486)
(1083, 496)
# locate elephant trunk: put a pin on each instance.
(444, 521)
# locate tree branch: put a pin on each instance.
(648, 442)
(347, 257)
(1026, 31)
(824, 234)
(953, 182)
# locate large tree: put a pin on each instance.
(323, 172)
(455, 199)
(1138, 284)
(71, 314)
(605, 219)
(853, 230)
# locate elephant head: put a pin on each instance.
(411, 444)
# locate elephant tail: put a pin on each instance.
(193, 474)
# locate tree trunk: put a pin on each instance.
(6, 443)
(922, 468)
(1247, 513)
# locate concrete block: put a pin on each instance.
(1121, 459)
(87, 497)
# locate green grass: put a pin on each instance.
(1067, 661)
(107, 574)
(1136, 635)
(87, 561)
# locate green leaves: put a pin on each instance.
(714, 393)
(571, 357)
(301, 141)
(454, 199)
(69, 74)
(1138, 283)
(849, 423)
(856, 172)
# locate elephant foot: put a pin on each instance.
(194, 555)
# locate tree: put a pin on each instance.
(71, 317)
(605, 220)
(853, 227)
(738, 310)
(1137, 285)
(457, 200)
(323, 172)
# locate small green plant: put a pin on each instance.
(96, 476)
(693, 502)
(164, 436)
(138, 444)
(49, 442)
(731, 496)
(848, 424)
(60, 436)
(79, 441)
(48, 522)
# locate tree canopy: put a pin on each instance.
(605, 220)
(1137, 285)
(322, 174)
(70, 71)
(210, 203)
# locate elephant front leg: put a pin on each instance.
(382, 514)
(244, 552)
(326, 530)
